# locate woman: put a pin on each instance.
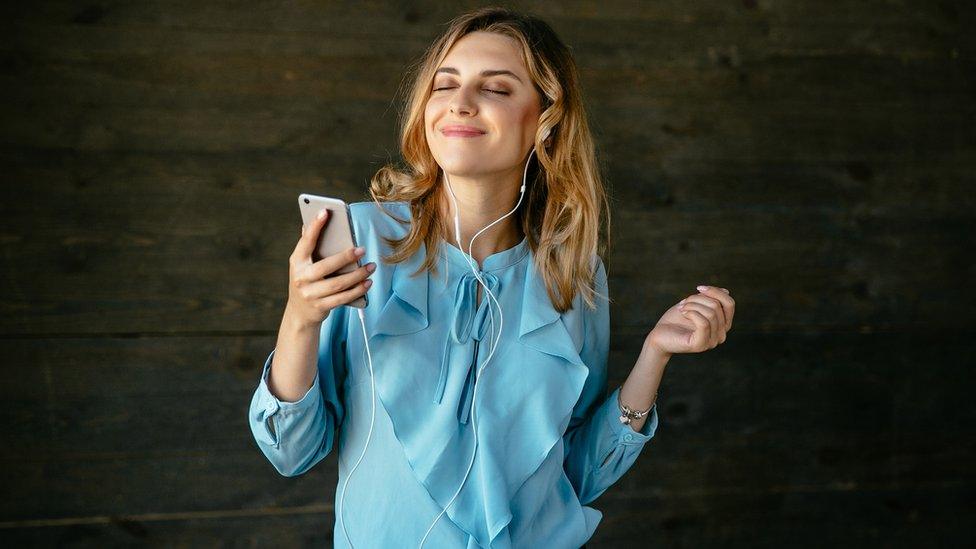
(492, 428)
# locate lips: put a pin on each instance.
(461, 131)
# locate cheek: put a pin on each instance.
(429, 119)
(505, 117)
(432, 111)
(529, 119)
(436, 103)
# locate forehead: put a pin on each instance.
(485, 50)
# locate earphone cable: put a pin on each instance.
(494, 344)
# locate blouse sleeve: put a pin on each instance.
(294, 436)
(599, 449)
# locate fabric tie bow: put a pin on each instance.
(467, 323)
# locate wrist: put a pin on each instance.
(653, 354)
(294, 323)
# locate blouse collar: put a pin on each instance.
(494, 262)
(407, 312)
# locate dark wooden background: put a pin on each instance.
(815, 157)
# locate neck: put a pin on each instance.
(481, 202)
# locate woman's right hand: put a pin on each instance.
(310, 298)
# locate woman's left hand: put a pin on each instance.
(695, 324)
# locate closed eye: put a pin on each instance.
(499, 92)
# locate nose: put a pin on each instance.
(460, 103)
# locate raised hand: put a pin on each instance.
(697, 323)
(312, 294)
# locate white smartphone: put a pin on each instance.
(337, 235)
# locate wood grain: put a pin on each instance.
(817, 159)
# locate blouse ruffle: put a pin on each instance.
(522, 409)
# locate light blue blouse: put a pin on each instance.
(550, 440)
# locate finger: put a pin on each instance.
(724, 297)
(346, 297)
(719, 298)
(336, 283)
(697, 337)
(708, 312)
(325, 288)
(709, 302)
(730, 315)
(330, 264)
(310, 235)
(706, 288)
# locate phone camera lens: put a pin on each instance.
(306, 201)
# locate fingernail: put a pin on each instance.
(702, 288)
(360, 251)
(322, 213)
(371, 267)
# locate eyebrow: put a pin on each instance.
(490, 72)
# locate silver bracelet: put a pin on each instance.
(629, 413)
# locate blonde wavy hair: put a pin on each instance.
(565, 195)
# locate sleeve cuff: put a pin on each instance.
(272, 404)
(625, 433)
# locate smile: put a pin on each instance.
(461, 131)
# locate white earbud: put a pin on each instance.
(494, 344)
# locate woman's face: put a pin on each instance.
(503, 108)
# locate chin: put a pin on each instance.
(462, 164)
(462, 170)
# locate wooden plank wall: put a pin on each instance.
(816, 158)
